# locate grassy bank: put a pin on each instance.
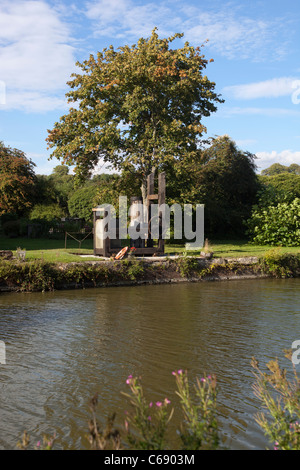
(37, 275)
(50, 250)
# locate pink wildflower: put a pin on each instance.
(158, 403)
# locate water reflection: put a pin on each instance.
(62, 347)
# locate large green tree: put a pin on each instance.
(63, 184)
(137, 107)
(16, 180)
(82, 201)
(285, 186)
(224, 180)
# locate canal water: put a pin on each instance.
(63, 347)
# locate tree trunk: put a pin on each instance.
(144, 191)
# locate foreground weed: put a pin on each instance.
(280, 397)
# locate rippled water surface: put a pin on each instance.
(63, 347)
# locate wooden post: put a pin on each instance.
(106, 241)
(150, 192)
(161, 200)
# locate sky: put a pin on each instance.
(254, 45)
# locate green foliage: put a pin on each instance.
(228, 186)
(188, 266)
(28, 277)
(149, 422)
(63, 184)
(146, 423)
(285, 186)
(46, 443)
(82, 201)
(135, 269)
(113, 186)
(200, 429)
(280, 264)
(277, 224)
(140, 106)
(279, 395)
(38, 275)
(277, 169)
(55, 188)
(46, 212)
(44, 190)
(223, 178)
(16, 180)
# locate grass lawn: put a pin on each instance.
(49, 249)
(54, 250)
(234, 249)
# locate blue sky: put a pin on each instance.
(255, 46)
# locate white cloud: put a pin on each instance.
(126, 18)
(35, 101)
(286, 157)
(230, 34)
(268, 112)
(273, 88)
(36, 55)
(235, 36)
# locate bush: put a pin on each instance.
(46, 212)
(280, 264)
(82, 202)
(276, 225)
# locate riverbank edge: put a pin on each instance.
(37, 276)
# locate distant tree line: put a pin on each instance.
(223, 179)
(238, 202)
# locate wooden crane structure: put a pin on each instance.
(143, 246)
